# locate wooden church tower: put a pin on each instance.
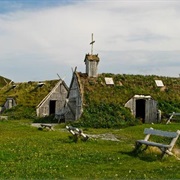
(91, 62)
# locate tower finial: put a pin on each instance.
(92, 42)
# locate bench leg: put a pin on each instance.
(146, 146)
(75, 137)
(164, 151)
(137, 148)
(162, 155)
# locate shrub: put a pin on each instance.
(169, 107)
(106, 115)
(46, 119)
(20, 112)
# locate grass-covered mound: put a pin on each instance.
(27, 93)
(104, 104)
(27, 96)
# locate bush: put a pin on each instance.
(169, 107)
(46, 119)
(20, 112)
(105, 115)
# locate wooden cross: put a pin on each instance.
(92, 42)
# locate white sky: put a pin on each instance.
(132, 37)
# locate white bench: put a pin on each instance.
(47, 126)
(77, 132)
(171, 116)
(165, 148)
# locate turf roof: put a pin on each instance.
(126, 86)
(4, 81)
(26, 93)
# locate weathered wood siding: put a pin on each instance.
(91, 68)
(132, 105)
(74, 103)
(58, 95)
(151, 109)
(91, 61)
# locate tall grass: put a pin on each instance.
(28, 153)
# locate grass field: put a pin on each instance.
(28, 153)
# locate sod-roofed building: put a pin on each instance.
(75, 95)
(54, 101)
(103, 96)
(45, 97)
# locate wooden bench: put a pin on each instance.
(165, 148)
(47, 126)
(77, 132)
(171, 116)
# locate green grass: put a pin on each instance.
(28, 153)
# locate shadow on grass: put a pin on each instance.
(144, 156)
(72, 139)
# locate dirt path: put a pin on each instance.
(107, 136)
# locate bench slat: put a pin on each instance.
(160, 133)
(176, 114)
(149, 143)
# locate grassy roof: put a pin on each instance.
(4, 81)
(104, 104)
(126, 86)
(26, 93)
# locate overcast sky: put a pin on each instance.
(40, 38)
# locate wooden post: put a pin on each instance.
(92, 42)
